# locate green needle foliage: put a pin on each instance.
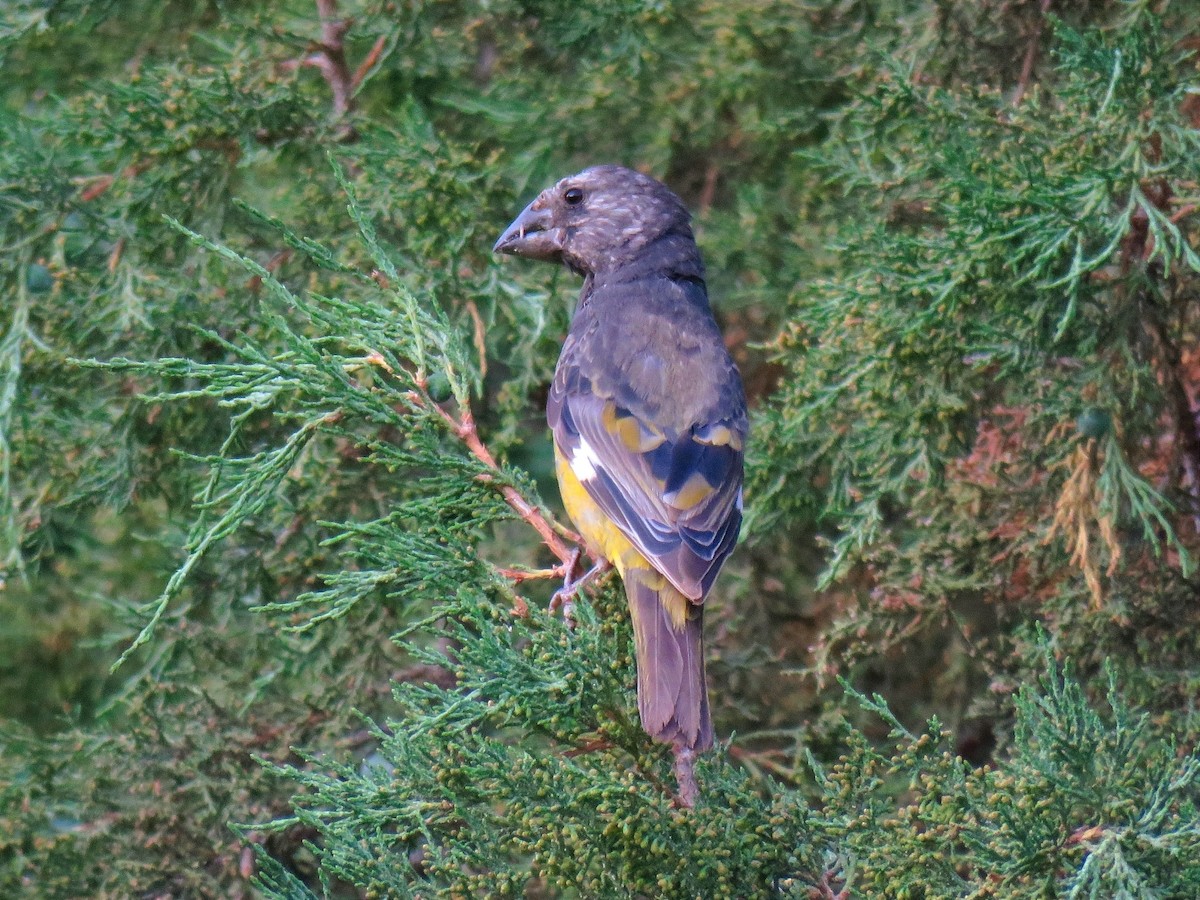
(277, 513)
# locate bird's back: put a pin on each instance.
(651, 344)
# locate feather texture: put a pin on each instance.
(671, 690)
(649, 421)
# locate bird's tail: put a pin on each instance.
(672, 692)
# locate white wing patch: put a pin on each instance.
(584, 461)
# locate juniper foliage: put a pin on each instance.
(276, 500)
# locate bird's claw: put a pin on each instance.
(564, 597)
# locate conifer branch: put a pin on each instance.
(988, 254)
(245, 498)
(685, 776)
(826, 889)
(12, 348)
(330, 57)
(1031, 53)
(1139, 248)
(368, 63)
(465, 430)
(1183, 416)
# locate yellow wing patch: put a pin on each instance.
(637, 436)
(694, 491)
(719, 436)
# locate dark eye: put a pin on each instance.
(573, 196)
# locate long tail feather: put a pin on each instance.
(672, 692)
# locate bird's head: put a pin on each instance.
(596, 220)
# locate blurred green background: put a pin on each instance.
(952, 248)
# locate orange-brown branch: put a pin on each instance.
(1031, 53)
(330, 57)
(368, 63)
(553, 537)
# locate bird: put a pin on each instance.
(648, 417)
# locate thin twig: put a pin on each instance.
(464, 429)
(96, 185)
(709, 192)
(114, 258)
(652, 777)
(1031, 53)
(516, 576)
(331, 59)
(480, 337)
(826, 889)
(685, 775)
(368, 63)
(1182, 213)
(592, 746)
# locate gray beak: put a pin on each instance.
(531, 234)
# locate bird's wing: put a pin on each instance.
(672, 486)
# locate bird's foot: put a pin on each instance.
(564, 597)
(564, 594)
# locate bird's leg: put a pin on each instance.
(564, 597)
